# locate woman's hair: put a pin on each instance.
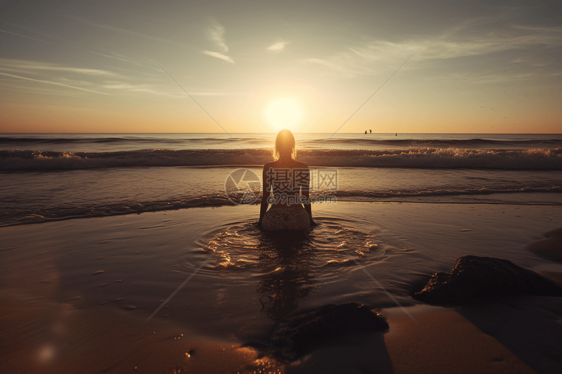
(284, 145)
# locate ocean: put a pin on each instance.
(46, 177)
(162, 251)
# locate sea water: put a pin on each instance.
(485, 195)
(47, 177)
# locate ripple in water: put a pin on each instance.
(288, 266)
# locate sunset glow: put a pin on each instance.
(284, 114)
(319, 186)
(84, 67)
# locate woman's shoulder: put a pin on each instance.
(269, 165)
(301, 165)
(275, 164)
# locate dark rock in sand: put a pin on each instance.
(299, 335)
(480, 277)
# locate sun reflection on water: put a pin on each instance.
(46, 353)
(288, 266)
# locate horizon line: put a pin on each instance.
(341, 133)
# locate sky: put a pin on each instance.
(244, 66)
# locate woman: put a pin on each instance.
(286, 185)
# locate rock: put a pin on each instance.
(475, 277)
(549, 248)
(299, 335)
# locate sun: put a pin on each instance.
(284, 114)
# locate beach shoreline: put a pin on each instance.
(61, 315)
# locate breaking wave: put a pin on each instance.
(445, 158)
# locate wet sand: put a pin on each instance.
(550, 247)
(62, 314)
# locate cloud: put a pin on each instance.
(74, 44)
(64, 69)
(277, 47)
(161, 91)
(215, 33)
(368, 58)
(89, 80)
(28, 37)
(54, 83)
(142, 88)
(211, 93)
(125, 31)
(219, 55)
(30, 67)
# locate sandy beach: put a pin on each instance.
(76, 294)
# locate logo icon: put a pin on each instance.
(243, 186)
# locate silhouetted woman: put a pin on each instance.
(286, 186)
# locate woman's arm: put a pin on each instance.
(265, 193)
(306, 193)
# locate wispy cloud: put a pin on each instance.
(78, 78)
(118, 57)
(64, 69)
(277, 47)
(27, 37)
(125, 31)
(141, 88)
(75, 45)
(369, 57)
(53, 83)
(96, 81)
(219, 55)
(215, 33)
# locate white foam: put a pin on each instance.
(445, 158)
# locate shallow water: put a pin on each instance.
(253, 279)
(36, 196)
(60, 176)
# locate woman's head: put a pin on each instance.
(284, 146)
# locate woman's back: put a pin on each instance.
(286, 181)
(286, 185)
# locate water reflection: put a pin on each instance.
(286, 262)
(286, 267)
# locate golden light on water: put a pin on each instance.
(284, 114)
(46, 353)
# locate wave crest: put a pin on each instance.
(446, 158)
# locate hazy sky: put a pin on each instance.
(257, 66)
